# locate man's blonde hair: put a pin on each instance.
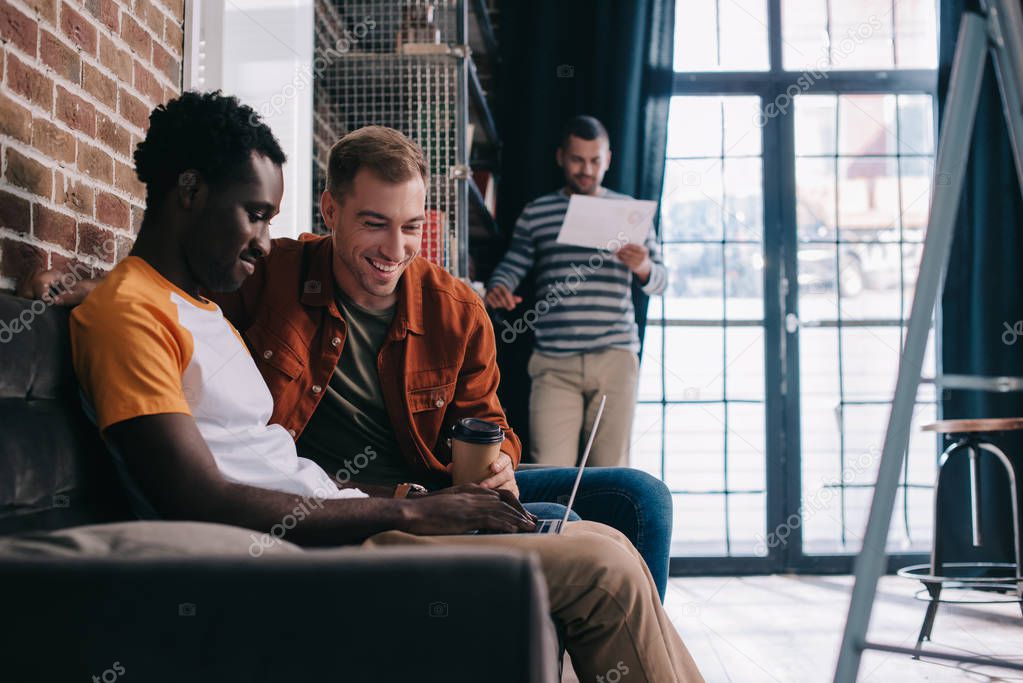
(387, 152)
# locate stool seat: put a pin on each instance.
(994, 424)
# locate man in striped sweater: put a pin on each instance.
(587, 341)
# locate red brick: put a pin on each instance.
(136, 37)
(18, 28)
(29, 82)
(18, 259)
(174, 36)
(71, 265)
(47, 9)
(113, 211)
(79, 29)
(145, 82)
(124, 245)
(15, 213)
(166, 63)
(52, 141)
(28, 173)
(95, 163)
(75, 195)
(15, 120)
(106, 11)
(113, 135)
(60, 57)
(103, 88)
(53, 227)
(137, 214)
(146, 11)
(176, 7)
(96, 241)
(76, 112)
(115, 59)
(133, 109)
(126, 180)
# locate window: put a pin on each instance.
(793, 210)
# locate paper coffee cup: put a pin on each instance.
(475, 445)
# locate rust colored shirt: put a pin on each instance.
(437, 365)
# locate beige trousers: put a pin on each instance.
(564, 400)
(601, 593)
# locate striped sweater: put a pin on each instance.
(583, 296)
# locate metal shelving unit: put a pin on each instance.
(409, 65)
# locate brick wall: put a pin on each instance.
(78, 81)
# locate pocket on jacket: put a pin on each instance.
(431, 398)
(268, 349)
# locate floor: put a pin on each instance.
(787, 629)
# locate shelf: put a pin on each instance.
(482, 31)
(479, 208)
(484, 118)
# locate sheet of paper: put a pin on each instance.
(606, 224)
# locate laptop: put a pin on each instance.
(554, 526)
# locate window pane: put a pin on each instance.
(744, 373)
(691, 202)
(720, 35)
(694, 127)
(866, 34)
(741, 132)
(650, 365)
(815, 124)
(744, 281)
(693, 365)
(694, 282)
(916, 124)
(915, 25)
(868, 198)
(743, 210)
(916, 196)
(866, 125)
(815, 199)
(699, 525)
(645, 452)
(695, 447)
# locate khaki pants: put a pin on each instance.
(564, 400)
(602, 595)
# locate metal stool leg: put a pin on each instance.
(934, 590)
(1014, 501)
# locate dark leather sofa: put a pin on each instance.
(338, 615)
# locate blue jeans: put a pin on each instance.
(631, 501)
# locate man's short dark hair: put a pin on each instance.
(585, 127)
(211, 133)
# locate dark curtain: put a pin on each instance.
(607, 58)
(983, 292)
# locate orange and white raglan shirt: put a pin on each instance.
(143, 346)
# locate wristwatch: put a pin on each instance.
(404, 489)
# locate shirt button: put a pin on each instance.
(439, 403)
(317, 388)
(292, 432)
(268, 354)
(335, 342)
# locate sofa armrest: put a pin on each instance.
(325, 615)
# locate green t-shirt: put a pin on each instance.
(350, 433)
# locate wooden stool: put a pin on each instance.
(971, 437)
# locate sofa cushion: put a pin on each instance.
(54, 470)
(146, 539)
